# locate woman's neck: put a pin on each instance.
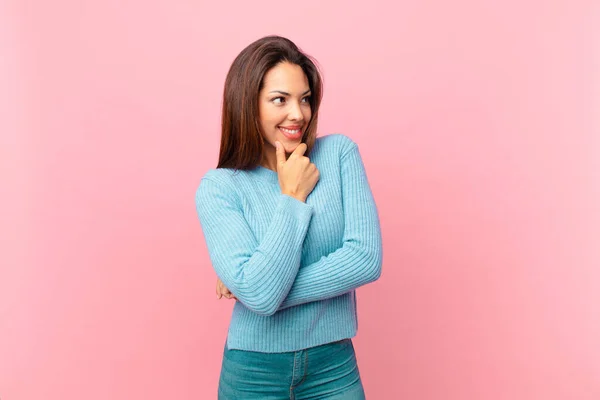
(269, 160)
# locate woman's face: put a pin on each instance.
(284, 107)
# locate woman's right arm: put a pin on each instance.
(261, 274)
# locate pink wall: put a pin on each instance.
(479, 125)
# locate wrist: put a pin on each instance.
(296, 196)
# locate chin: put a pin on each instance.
(290, 147)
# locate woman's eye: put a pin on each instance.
(281, 100)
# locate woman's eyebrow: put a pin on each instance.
(286, 93)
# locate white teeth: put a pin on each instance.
(289, 131)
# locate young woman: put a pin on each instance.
(292, 229)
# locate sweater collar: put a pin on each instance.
(266, 174)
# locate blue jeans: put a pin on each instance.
(329, 371)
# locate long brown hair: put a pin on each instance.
(241, 141)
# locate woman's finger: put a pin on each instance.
(223, 291)
(219, 289)
(230, 296)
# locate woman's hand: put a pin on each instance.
(297, 175)
(223, 291)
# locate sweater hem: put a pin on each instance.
(294, 347)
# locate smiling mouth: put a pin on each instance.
(290, 131)
(291, 134)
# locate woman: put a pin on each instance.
(290, 237)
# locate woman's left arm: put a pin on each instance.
(359, 260)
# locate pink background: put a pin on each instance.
(479, 125)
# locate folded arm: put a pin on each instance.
(359, 260)
(261, 274)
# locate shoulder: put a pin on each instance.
(335, 143)
(221, 175)
(216, 182)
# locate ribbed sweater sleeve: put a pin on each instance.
(359, 260)
(261, 274)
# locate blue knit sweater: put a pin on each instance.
(293, 266)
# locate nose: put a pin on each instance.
(295, 113)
